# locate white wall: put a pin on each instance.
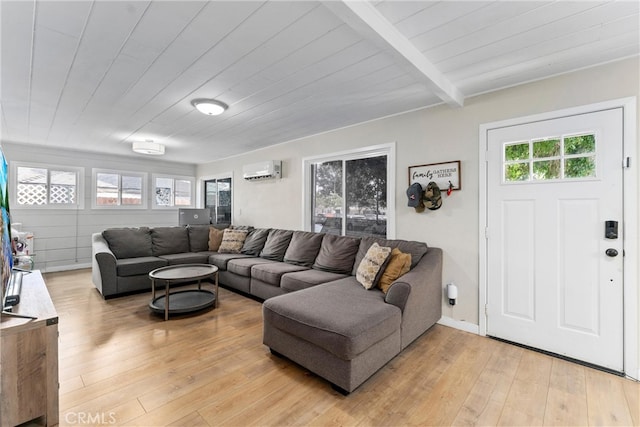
(63, 236)
(432, 135)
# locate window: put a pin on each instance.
(348, 192)
(116, 189)
(217, 197)
(48, 186)
(173, 191)
(566, 157)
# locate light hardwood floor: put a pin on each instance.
(121, 365)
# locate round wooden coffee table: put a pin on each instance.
(186, 301)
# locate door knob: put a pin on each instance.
(611, 252)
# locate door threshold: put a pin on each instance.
(560, 356)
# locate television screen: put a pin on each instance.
(7, 252)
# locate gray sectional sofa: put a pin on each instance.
(316, 311)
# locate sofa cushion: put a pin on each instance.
(337, 254)
(215, 238)
(341, 317)
(198, 238)
(221, 260)
(137, 266)
(255, 241)
(169, 240)
(186, 258)
(399, 264)
(307, 278)
(372, 265)
(276, 244)
(232, 241)
(416, 249)
(242, 266)
(129, 242)
(303, 248)
(271, 273)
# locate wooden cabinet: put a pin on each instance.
(29, 357)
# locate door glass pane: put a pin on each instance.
(107, 189)
(580, 144)
(366, 201)
(516, 172)
(546, 148)
(131, 190)
(210, 193)
(546, 169)
(327, 197)
(516, 151)
(223, 215)
(580, 167)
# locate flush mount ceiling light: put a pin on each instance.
(210, 107)
(148, 147)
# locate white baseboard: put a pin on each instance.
(459, 324)
(64, 268)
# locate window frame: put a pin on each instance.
(13, 195)
(192, 181)
(388, 150)
(94, 188)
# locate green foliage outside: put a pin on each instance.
(545, 157)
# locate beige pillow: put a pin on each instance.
(372, 264)
(399, 264)
(215, 238)
(232, 241)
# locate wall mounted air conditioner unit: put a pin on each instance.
(263, 170)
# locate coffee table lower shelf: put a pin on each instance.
(182, 302)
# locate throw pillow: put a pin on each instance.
(232, 241)
(399, 264)
(215, 238)
(372, 265)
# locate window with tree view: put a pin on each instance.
(553, 158)
(349, 196)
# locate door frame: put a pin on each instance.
(631, 351)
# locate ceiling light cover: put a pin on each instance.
(210, 107)
(148, 147)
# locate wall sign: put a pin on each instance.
(446, 174)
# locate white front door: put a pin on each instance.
(554, 281)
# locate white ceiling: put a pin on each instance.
(98, 75)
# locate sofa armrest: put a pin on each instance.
(103, 265)
(418, 294)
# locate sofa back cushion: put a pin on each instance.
(337, 254)
(276, 245)
(129, 242)
(303, 248)
(255, 241)
(198, 238)
(169, 240)
(415, 249)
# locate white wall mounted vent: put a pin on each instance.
(263, 170)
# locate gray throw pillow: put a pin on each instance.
(276, 245)
(198, 238)
(255, 241)
(303, 248)
(337, 254)
(169, 240)
(129, 242)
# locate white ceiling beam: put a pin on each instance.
(367, 21)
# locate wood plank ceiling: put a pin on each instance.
(98, 75)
